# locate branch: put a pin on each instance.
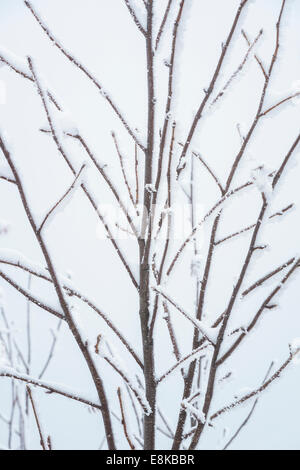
(211, 211)
(37, 419)
(267, 277)
(134, 17)
(280, 103)
(208, 92)
(81, 67)
(50, 387)
(43, 274)
(250, 227)
(131, 445)
(255, 56)
(162, 26)
(86, 191)
(66, 194)
(142, 400)
(265, 305)
(237, 71)
(209, 171)
(97, 380)
(180, 362)
(208, 333)
(245, 422)
(35, 300)
(256, 392)
(123, 168)
(8, 180)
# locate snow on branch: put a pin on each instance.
(184, 361)
(190, 237)
(250, 227)
(134, 17)
(65, 199)
(237, 71)
(259, 390)
(16, 259)
(17, 64)
(114, 363)
(31, 297)
(49, 386)
(210, 334)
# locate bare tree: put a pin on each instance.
(155, 195)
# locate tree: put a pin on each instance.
(163, 213)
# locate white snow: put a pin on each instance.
(18, 63)
(195, 411)
(262, 180)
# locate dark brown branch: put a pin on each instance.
(265, 305)
(134, 17)
(128, 382)
(61, 200)
(29, 296)
(123, 168)
(131, 445)
(210, 171)
(37, 419)
(180, 362)
(280, 103)
(107, 180)
(51, 352)
(162, 26)
(267, 277)
(49, 387)
(9, 180)
(237, 71)
(250, 227)
(255, 56)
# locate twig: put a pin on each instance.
(61, 200)
(210, 89)
(131, 445)
(256, 392)
(245, 422)
(37, 419)
(255, 56)
(123, 168)
(250, 227)
(135, 19)
(162, 26)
